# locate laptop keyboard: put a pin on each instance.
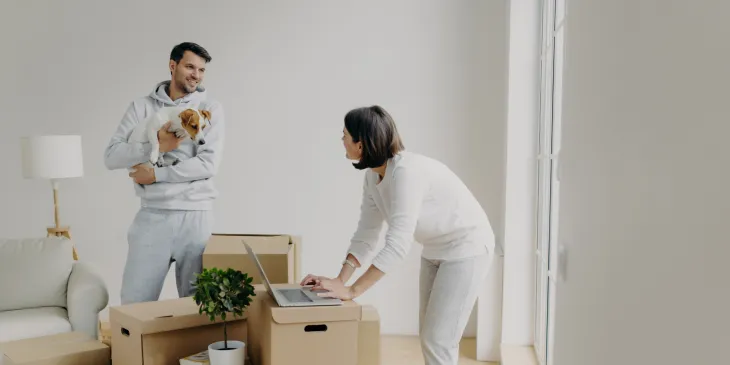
(295, 295)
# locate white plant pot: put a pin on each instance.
(235, 354)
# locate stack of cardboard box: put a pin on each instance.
(166, 331)
(343, 335)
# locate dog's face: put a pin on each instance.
(194, 121)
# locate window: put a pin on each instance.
(548, 188)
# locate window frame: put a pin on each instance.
(548, 185)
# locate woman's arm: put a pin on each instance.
(347, 270)
(345, 274)
(367, 280)
(363, 241)
(335, 288)
(407, 194)
(368, 230)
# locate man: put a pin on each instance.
(175, 218)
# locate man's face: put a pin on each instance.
(189, 72)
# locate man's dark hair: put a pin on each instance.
(375, 128)
(179, 50)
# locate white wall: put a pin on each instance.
(520, 174)
(644, 184)
(286, 75)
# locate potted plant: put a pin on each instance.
(218, 294)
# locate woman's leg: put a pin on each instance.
(428, 275)
(453, 294)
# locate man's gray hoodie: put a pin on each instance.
(186, 185)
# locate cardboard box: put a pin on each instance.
(60, 349)
(163, 332)
(278, 254)
(302, 335)
(368, 340)
(105, 333)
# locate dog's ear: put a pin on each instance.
(186, 116)
(205, 114)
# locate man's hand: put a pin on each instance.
(143, 174)
(168, 140)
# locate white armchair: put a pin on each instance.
(43, 291)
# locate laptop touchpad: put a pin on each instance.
(295, 295)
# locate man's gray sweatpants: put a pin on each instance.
(449, 290)
(156, 239)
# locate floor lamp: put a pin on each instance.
(53, 158)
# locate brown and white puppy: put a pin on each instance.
(185, 122)
(193, 121)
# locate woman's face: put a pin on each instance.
(353, 150)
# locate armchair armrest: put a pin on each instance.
(87, 296)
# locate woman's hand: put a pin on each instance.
(313, 280)
(335, 288)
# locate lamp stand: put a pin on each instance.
(59, 231)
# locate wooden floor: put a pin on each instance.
(406, 350)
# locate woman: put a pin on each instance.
(419, 198)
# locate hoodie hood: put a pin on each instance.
(159, 94)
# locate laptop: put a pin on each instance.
(291, 297)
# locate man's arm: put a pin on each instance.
(120, 154)
(205, 164)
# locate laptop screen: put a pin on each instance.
(261, 269)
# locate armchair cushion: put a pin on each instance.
(36, 271)
(27, 323)
(87, 296)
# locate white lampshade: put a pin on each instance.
(52, 157)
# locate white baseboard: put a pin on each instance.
(518, 355)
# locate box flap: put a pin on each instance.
(348, 311)
(163, 315)
(47, 347)
(226, 244)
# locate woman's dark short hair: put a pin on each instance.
(375, 128)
